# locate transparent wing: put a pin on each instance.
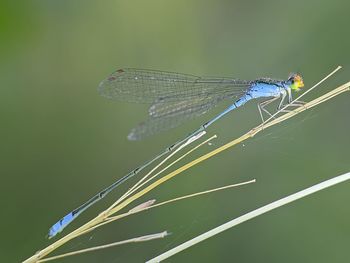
(167, 114)
(148, 86)
(175, 97)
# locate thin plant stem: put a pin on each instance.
(110, 219)
(118, 243)
(174, 162)
(262, 210)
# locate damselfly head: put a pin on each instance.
(296, 81)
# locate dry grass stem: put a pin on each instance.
(257, 212)
(149, 204)
(118, 243)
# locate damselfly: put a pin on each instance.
(175, 98)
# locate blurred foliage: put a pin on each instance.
(62, 143)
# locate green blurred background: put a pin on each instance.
(61, 143)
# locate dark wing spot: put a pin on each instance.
(112, 78)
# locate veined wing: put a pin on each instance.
(167, 114)
(148, 86)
